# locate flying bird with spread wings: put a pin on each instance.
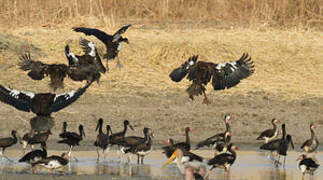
(112, 42)
(224, 75)
(87, 66)
(38, 70)
(42, 104)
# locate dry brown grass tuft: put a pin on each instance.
(305, 13)
(287, 62)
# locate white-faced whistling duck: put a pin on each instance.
(270, 134)
(225, 75)
(112, 42)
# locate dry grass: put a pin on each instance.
(288, 63)
(305, 13)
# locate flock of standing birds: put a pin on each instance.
(88, 67)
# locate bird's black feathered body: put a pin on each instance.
(39, 70)
(224, 160)
(134, 140)
(223, 76)
(102, 139)
(34, 156)
(269, 134)
(39, 138)
(72, 138)
(117, 138)
(307, 164)
(311, 144)
(184, 146)
(53, 162)
(87, 66)
(112, 42)
(217, 138)
(9, 141)
(274, 144)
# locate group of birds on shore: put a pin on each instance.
(225, 151)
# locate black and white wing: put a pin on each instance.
(179, 73)
(102, 36)
(37, 70)
(72, 59)
(90, 49)
(63, 100)
(21, 100)
(229, 74)
(117, 35)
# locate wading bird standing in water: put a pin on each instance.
(224, 76)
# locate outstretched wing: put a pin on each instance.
(211, 140)
(117, 35)
(37, 69)
(179, 73)
(72, 59)
(65, 99)
(90, 49)
(229, 74)
(102, 36)
(19, 99)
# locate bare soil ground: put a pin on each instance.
(287, 83)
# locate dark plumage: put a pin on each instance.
(72, 138)
(102, 139)
(7, 142)
(53, 162)
(38, 70)
(117, 138)
(224, 160)
(134, 140)
(34, 156)
(184, 146)
(220, 137)
(87, 66)
(224, 76)
(42, 104)
(269, 134)
(280, 145)
(142, 147)
(307, 165)
(112, 42)
(39, 138)
(311, 144)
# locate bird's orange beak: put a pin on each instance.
(171, 159)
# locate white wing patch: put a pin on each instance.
(92, 46)
(66, 95)
(119, 46)
(14, 93)
(303, 168)
(222, 65)
(73, 56)
(28, 93)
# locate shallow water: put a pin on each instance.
(249, 165)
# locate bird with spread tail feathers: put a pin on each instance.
(112, 42)
(224, 75)
(42, 104)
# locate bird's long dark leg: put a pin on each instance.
(119, 65)
(138, 158)
(142, 159)
(205, 100)
(225, 173)
(97, 151)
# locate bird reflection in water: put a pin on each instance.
(124, 170)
